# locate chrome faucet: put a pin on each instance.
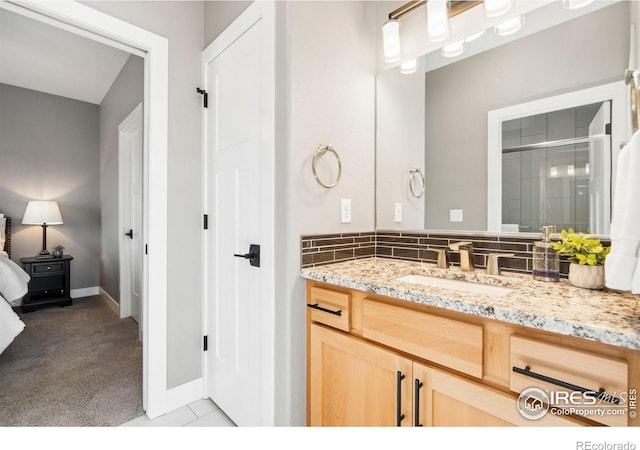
(466, 255)
(493, 262)
(443, 257)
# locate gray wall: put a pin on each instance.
(49, 151)
(218, 15)
(182, 23)
(124, 95)
(585, 52)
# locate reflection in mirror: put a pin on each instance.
(546, 173)
(438, 118)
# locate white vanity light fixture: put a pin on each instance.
(495, 8)
(571, 169)
(475, 36)
(438, 20)
(454, 49)
(553, 172)
(409, 67)
(510, 26)
(391, 41)
(575, 4)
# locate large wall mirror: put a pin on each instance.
(511, 135)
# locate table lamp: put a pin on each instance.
(43, 213)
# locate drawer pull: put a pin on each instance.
(417, 386)
(599, 394)
(399, 415)
(320, 308)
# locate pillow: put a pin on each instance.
(13, 281)
(10, 325)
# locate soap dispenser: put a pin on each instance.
(546, 262)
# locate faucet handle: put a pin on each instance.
(457, 246)
(443, 257)
(493, 262)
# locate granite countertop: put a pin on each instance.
(603, 316)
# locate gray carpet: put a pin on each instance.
(74, 366)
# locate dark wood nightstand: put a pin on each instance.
(50, 282)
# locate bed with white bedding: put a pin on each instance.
(14, 283)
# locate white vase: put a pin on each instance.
(585, 276)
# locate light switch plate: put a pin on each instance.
(397, 217)
(455, 215)
(345, 210)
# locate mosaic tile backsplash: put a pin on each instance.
(317, 250)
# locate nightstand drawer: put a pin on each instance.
(47, 268)
(52, 283)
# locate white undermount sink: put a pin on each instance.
(456, 285)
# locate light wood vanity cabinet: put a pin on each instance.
(398, 363)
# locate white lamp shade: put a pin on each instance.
(391, 41)
(39, 212)
(510, 26)
(575, 4)
(495, 8)
(438, 20)
(409, 67)
(453, 49)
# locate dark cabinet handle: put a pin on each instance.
(399, 415)
(129, 233)
(253, 256)
(320, 308)
(599, 394)
(416, 410)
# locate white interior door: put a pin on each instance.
(600, 171)
(239, 182)
(131, 190)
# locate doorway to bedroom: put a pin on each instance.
(61, 112)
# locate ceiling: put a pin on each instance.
(41, 57)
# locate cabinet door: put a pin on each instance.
(353, 383)
(449, 400)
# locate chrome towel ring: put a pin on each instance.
(412, 173)
(322, 149)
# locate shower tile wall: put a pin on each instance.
(548, 186)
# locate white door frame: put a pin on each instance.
(615, 91)
(133, 121)
(89, 22)
(264, 11)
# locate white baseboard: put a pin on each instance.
(110, 301)
(184, 394)
(85, 292)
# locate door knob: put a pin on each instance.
(130, 234)
(253, 256)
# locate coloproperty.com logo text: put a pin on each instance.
(535, 403)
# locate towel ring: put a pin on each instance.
(632, 78)
(322, 149)
(413, 172)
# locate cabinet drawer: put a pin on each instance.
(448, 342)
(49, 268)
(557, 369)
(330, 308)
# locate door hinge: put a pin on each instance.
(607, 129)
(206, 221)
(146, 249)
(205, 101)
(205, 343)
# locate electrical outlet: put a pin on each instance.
(345, 210)
(398, 213)
(455, 215)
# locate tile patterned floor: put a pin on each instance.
(201, 413)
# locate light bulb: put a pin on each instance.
(409, 66)
(510, 26)
(438, 20)
(391, 41)
(495, 8)
(453, 49)
(575, 4)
